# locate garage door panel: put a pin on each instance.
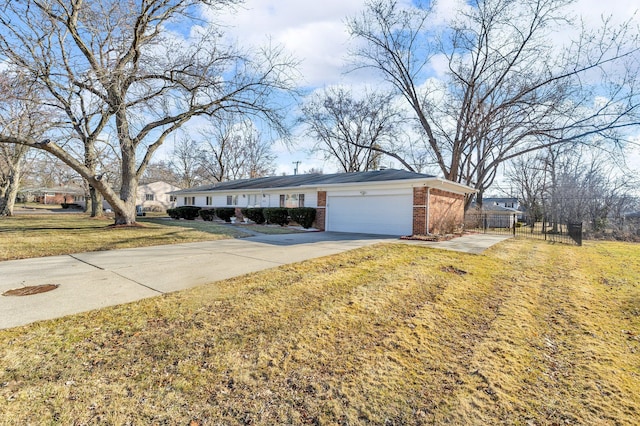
(382, 214)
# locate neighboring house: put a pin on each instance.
(507, 202)
(390, 202)
(156, 196)
(494, 215)
(53, 195)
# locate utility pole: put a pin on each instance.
(295, 169)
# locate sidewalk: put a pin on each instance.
(96, 280)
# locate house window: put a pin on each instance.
(232, 200)
(173, 198)
(209, 201)
(149, 197)
(253, 200)
(189, 201)
(292, 200)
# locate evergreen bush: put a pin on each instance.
(277, 215)
(225, 213)
(255, 214)
(207, 214)
(173, 213)
(189, 212)
(303, 216)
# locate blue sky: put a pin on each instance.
(315, 33)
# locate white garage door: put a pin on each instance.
(377, 214)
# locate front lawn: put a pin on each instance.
(529, 333)
(31, 235)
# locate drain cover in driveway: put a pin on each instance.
(28, 291)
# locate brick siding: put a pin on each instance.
(420, 209)
(447, 211)
(321, 210)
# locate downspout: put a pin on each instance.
(428, 207)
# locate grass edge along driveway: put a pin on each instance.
(28, 236)
(529, 333)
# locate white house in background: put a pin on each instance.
(495, 212)
(156, 196)
(506, 202)
(390, 202)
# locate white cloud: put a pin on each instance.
(314, 32)
(620, 10)
(632, 155)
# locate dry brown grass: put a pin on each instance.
(27, 236)
(531, 334)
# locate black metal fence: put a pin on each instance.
(520, 226)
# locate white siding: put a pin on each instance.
(269, 198)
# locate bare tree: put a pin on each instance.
(18, 114)
(161, 171)
(314, 170)
(185, 162)
(349, 130)
(233, 149)
(509, 89)
(45, 170)
(527, 176)
(573, 184)
(11, 162)
(115, 67)
(259, 160)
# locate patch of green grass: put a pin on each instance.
(25, 236)
(529, 333)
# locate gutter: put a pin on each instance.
(450, 186)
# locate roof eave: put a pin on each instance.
(432, 182)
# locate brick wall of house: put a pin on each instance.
(321, 210)
(56, 199)
(447, 211)
(420, 211)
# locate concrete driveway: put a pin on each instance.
(96, 280)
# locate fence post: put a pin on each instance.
(514, 224)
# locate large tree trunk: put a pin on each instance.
(91, 161)
(11, 184)
(125, 211)
(94, 203)
(9, 191)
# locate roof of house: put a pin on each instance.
(158, 183)
(495, 208)
(499, 200)
(55, 189)
(293, 181)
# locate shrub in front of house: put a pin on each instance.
(173, 213)
(303, 216)
(207, 214)
(225, 213)
(189, 212)
(184, 212)
(277, 215)
(255, 214)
